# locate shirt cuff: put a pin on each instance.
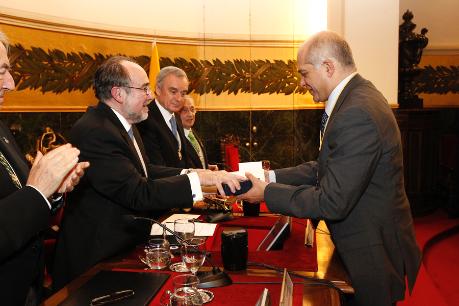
(272, 176)
(47, 202)
(195, 183)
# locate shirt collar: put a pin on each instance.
(330, 104)
(186, 131)
(127, 126)
(167, 115)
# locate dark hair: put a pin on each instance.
(111, 73)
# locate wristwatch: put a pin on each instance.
(56, 201)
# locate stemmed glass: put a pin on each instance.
(194, 253)
(184, 228)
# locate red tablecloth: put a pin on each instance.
(245, 290)
(294, 254)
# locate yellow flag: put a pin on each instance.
(154, 65)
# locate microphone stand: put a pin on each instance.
(211, 279)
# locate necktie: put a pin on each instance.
(323, 123)
(174, 131)
(174, 126)
(194, 142)
(131, 135)
(197, 147)
(10, 171)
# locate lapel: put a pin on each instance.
(163, 125)
(13, 154)
(110, 115)
(166, 132)
(356, 80)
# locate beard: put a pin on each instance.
(136, 117)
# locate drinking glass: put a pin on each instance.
(157, 254)
(185, 296)
(185, 280)
(194, 253)
(156, 259)
(184, 228)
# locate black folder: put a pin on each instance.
(145, 286)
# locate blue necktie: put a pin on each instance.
(174, 126)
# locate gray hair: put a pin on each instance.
(4, 40)
(164, 72)
(328, 44)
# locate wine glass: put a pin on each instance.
(191, 281)
(194, 253)
(184, 228)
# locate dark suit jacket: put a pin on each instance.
(93, 226)
(360, 194)
(23, 214)
(160, 144)
(194, 160)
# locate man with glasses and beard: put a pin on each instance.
(121, 180)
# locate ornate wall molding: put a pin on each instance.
(50, 23)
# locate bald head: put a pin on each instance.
(324, 61)
(326, 45)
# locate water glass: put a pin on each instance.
(184, 228)
(185, 296)
(185, 280)
(194, 253)
(156, 243)
(157, 258)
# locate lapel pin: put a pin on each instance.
(5, 140)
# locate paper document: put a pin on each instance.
(256, 168)
(200, 229)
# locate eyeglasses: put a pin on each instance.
(146, 90)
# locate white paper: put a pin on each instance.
(256, 168)
(200, 229)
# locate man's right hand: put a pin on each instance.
(49, 171)
(217, 178)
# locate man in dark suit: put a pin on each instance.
(24, 205)
(162, 132)
(121, 182)
(194, 147)
(356, 184)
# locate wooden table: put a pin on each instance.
(329, 267)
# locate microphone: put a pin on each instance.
(211, 279)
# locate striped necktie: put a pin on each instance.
(10, 171)
(136, 146)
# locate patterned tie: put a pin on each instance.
(194, 142)
(174, 126)
(10, 171)
(197, 147)
(131, 135)
(323, 122)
